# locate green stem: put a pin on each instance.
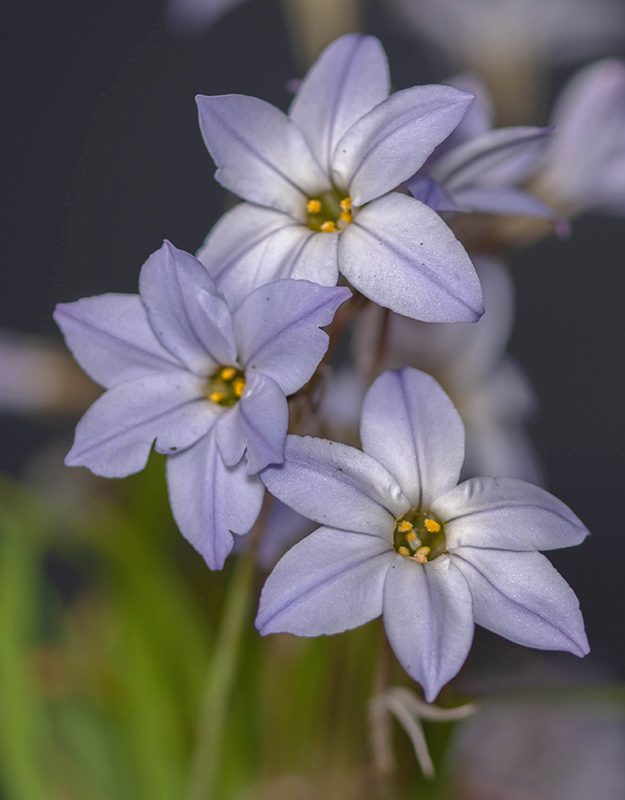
(221, 675)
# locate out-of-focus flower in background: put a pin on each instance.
(584, 162)
(489, 389)
(508, 42)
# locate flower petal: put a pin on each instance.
(507, 514)
(115, 436)
(256, 246)
(428, 617)
(400, 254)
(522, 597)
(277, 329)
(337, 485)
(348, 79)
(503, 200)
(261, 155)
(264, 420)
(211, 501)
(410, 426)
(331, 581)
(389, 144)
(188, 316)
(502, 156)
(229, 436)
(111, 338)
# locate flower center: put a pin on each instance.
(420, 535)
(226, 386)
(329, 212)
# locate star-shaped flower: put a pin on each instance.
(203, 384)
(320, 188)
(400, 539)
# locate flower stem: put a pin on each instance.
(220, 679)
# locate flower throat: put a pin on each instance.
(419, 535)
(329, 212)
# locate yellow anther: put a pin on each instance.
(422, 554)
(432, 525)
(228, 373)
(328, 227)
(411, 536)
(404, 526)
(314, 206)
(239, 386)
(346, 216)
(403, 551)
(216, 396)
(346, 204)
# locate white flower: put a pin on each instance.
(400, 539)
(320, 188)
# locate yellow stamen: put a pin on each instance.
(346, 216)
(328, 227)
(216, 396)
(432, 525)
(314, 206)
(422, 554)
(404, 526)
(239, 386)
(411, 536)
(228, 373)
(346, 204)
(403, 551)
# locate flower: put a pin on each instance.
(204, 384)
(400, 539)
(319, 185)
(489, 388)
(584, 167)
(496, 30)
(479, 169)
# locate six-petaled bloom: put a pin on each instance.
(203, 384)
(401, 539)
(320, 188)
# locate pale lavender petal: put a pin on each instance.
(348, 79)
(337, 485)
(115, 436)
(522, 597)
(111, 338)
(331, 581)
(503, 200)
(230, 436)
(502, 156)
(502, 447)
(187, 315)
(480, 113)
(389, 144)
(428, 617)
(261, 155)
(430, 192)
(278, 333)
(278, 247)
(211, 501)
(400, 254)
(264, 420)
(507, 514)
(236, 242)
(410, 426)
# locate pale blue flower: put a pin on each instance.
(203, 384)
(584, 167)
(478, 169)
(400, 539)
(319, 185)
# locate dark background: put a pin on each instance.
(103, 159)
